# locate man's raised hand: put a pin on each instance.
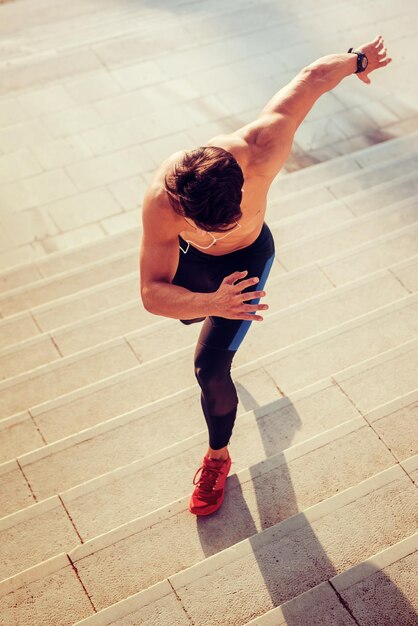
(229, 302)
(376, 54)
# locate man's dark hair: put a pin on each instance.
(205, 186)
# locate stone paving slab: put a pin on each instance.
(54, 379)
(139, 386)
(15, 493)
(17, 328)
(49, 289)
(278, 423)
(386, 586)
(130, 560)
(48, 594)
(127, 319)
(342, 237)
(319, 606)
(318, 548)
(342, 346)
(390, 568)
(34, 535)
(18, 434)
(33, 353)
(66, 261)
(397, 424)
(372, 383)
(89, 452)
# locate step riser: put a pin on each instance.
(359, 443)
(146, 344)
(286, 328)
(57, 263)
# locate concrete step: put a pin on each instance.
(272, 462)
(378, 590)
(47, 469)
(35, 289)
(126, 321)
(69, 260)
(386, 500)
(348, 233)
(40, 522)
(124, 353)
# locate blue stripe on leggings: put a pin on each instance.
(245, 324)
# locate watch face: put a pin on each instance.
(363, 62)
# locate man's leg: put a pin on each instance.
(217, 345)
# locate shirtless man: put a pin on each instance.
(206, 250)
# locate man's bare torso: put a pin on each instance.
(253, 205)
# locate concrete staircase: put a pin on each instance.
(102, 431)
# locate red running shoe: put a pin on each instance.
(210, 491)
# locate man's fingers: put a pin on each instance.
(247, 283)
(250, 316)
(232, 278)
(385, 62)
(255, 307)
(252, 295)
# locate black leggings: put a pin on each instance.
(220, 337)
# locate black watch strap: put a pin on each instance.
(360, 57)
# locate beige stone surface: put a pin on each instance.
(256, 502)
(17, 328)
(22, 135)
(319, 606)
(57, 598)
(46, 291)
(407, 273)
(317, 315)
(281, 566)
(381, 382)
(16, 277)
(27, 226)
(349, 235)
(81, 305)
(102, 327)
(18, 437)
(91, 87)
(373, 336)
(71, 121)
(83, 208)
(60, 379)
(30, 192)
(18, 164)
(122, 221)
(382, 195)
(82, 255)
(15, 493)
(387, 250)
(399, 431)
(31, 354)
(283, 426)
(35, 539)
(106, 169)
(65, 241)
(386, 596)
(61, 151)
(45, 100)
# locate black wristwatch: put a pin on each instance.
(362, 61)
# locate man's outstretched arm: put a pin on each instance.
(274, 129)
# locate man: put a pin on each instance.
(206, 251)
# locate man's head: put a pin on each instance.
(206, 186)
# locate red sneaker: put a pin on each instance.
(210, 491)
